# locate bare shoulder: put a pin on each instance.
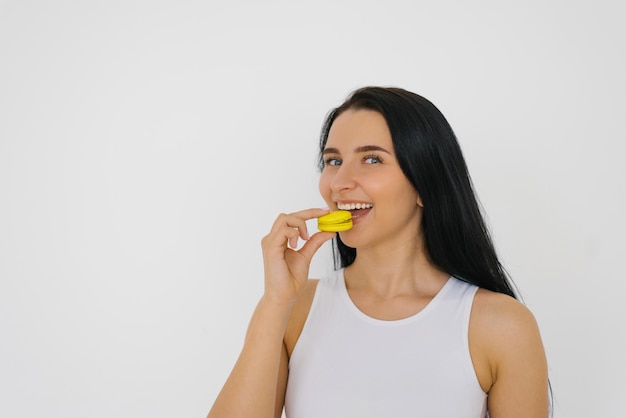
(299, 314)
(502, 328)
(508, 354)
(502, 314)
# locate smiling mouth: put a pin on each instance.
(353, 206)
(356, 209)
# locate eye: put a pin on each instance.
(372, 159)
(331, 161)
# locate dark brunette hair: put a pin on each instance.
(455, 235)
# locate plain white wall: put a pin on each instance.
(147, 146)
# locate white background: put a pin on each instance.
(147, 146)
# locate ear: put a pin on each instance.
(419, 201)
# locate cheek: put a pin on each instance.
(324, 186)
(397, 189)
(379, 186)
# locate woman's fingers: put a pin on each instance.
(292, 235)
(309, 249)
(286, 270)
(289, 227)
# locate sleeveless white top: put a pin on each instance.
(349, 365)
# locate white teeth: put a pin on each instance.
(353, 206)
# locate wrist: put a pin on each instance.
(269, 320)
(276, 303)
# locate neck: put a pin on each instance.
(404, 269)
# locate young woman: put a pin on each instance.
(419, 318)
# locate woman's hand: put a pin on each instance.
(287, 270)
(256, 385)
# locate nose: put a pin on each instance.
(343, 179)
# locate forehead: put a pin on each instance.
(359, 127)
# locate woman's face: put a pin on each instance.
(361, 174)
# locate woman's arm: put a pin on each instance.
(509, 357)
(256, 385)
(252, 387)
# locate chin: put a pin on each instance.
(348, 238)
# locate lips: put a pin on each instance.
(359, 213)
(357, 209)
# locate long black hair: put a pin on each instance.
(455, 235)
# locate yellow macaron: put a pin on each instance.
(336, 221)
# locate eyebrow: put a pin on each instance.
(364, 148)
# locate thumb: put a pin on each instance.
(314, 243)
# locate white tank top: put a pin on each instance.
(349, 365)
